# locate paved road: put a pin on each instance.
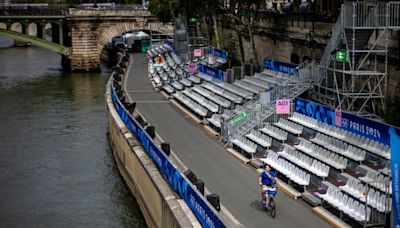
(235, 182)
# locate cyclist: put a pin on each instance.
(266, 180)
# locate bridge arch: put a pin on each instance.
(32, 29)
(16, 27)
(105, 35)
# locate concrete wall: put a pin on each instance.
(160, 206)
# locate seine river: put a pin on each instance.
(56, 166)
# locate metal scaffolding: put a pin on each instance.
(160, 32)
(351, 78)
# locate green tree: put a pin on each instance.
(241, 12)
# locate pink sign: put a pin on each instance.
(197, 53)
(192, 68)
(338, 117)
(283, 106)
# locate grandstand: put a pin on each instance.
(348, 173)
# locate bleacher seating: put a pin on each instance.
(198, 109)
(351, 207)
(289, 126)
(194, 79)
(178, 86)
(257, 82)
(215, 120)
(249, 87)
(376, 179)
(305, 162)
(260, 138)
(288, 169)
(213, 97)
(377, 200)
(322, 154)
(245, 144)
(169, 89)
(354, 186)
(345, 149)
(274, 132)
(201, 100)
(186, 82)
(376, 148)
(349, 137)
(234, 89)
(222, 92)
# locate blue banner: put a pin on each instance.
(210, 71)
(358, 125)
(395, 156)
(203, 211)
(283, 67)
(172, 46)
(218, 53)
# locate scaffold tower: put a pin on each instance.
(352, 77)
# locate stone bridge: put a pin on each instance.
(78, 35)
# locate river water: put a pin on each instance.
(56, 166)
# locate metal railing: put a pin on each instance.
(331, 45)
(253, 113)
(382, 14)
(62, 9)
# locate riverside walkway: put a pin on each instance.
(236, 183)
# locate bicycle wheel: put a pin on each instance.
(272, 207)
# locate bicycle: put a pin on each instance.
(269, 203)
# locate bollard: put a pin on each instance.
(122, 100)
(151, 131)
(214, 200)
(190, 175)
(115, 82)
(140, 120)
(200, 186)
(117, 77)
(117, 87)
(119, 70)
(166, 148)
(120, 94)
(131, 107)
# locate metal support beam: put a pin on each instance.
(61, 35)
(39, 42)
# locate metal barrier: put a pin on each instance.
(253, 113)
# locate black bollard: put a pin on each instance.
(122, 99)
(166, 148)
(120, 94)
(117, 87)
(214, 200)
(191, 176)
(119, 70)
(140, 120)
(131, 107)
(151, 131)
(200, 186)
(117, 77)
